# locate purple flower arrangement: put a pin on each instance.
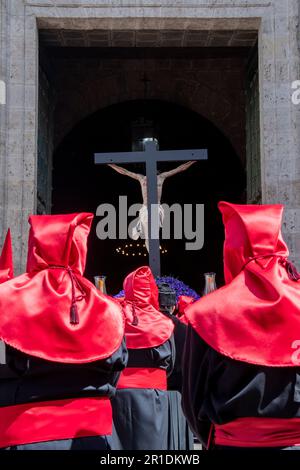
(120, 294)
(180, 287)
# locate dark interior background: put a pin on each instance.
(80, 185)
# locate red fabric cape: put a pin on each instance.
(34, 422)
(255, 318)
(183, 302)
(35, 307)
(146, 326)
(6, 260)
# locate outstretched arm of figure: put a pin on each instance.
(179, 169)
(125, 172)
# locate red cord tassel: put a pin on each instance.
(74, 317)
(135, 320)
(292, 271)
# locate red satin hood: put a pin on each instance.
(183, 302)
(250, 231)
(36, 307)
(140, 287)
(255, 317)
(6, 260)
(58, 240)
(146, 326)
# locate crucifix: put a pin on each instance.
(150, 156)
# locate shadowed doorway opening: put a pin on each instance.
(80, 185)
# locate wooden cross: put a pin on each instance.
(150, 156)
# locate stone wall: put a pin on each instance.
(215, 88)
(18, 124)
(279, 65)
(3, 108)
(253, 165)
(45, 143)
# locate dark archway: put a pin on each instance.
(78, 185)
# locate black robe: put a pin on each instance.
(26, 379)
(180, 436)
(141, 414)
(217, 389)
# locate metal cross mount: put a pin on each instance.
(150, 156)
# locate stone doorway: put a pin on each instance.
(79, 185)
(102, 24)
(109, 24)
(83, 75)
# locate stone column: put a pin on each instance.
(3, 131)
(3, 108)
(19, 149)
(294, 219)
(280, 150)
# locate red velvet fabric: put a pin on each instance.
(259, 432)
(36, 307)
(143, 377)
(183, 302)
(54, 420)
(6, 260)
(146, 326)
(255, 317)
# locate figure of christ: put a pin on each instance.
(140, 230)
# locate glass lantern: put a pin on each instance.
(210, 283)
(100, 283)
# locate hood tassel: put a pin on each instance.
(288, 265)
(292, 271)
(74, 317)
(135, 320)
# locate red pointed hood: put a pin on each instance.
(250, 231)
(146, 326)
(255, 318)
(6, 260)
(140, 287)
(58, 240)
(183, 302)
(38, 308)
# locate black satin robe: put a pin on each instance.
(27, 379)
(141, 415)
(180, 436)
(217, 389)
